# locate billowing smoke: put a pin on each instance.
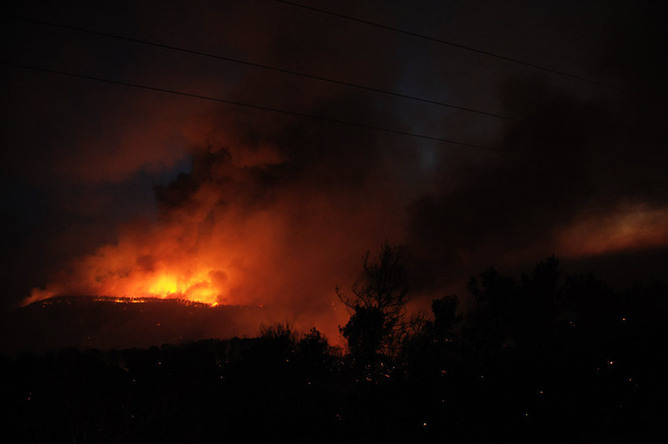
(560, 185)
(273, 217)
(578, 176)
(276, 209)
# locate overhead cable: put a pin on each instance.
(265, 67)
(451, 44)
(247, 105)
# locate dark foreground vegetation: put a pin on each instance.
(543, 358)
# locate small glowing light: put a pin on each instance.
(424, 424)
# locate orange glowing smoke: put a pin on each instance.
(174, 260)
(287, 255)
(631, 227)
(122, 279)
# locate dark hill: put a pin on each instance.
(86, 322)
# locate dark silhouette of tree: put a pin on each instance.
(490, 322)
(430, 350)
(377, 303)
(367, 333)
(445, 316)
(315, 355)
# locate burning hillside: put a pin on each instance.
(86, 322)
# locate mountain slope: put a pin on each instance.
(105, 323)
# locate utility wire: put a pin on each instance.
(450, 43)
(263, 66)
(248, 105)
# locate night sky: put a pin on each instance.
(139, 159)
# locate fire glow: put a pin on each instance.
(154, 263)
(198, 288)
(138, 287)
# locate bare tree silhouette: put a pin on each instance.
(377, 304)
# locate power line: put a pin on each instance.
(264, 66)
(248, 105)
(449, 43)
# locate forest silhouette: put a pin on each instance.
(546, 357)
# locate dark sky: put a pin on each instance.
(107, 189)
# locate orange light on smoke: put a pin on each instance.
(626, 229)
(164, 286)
